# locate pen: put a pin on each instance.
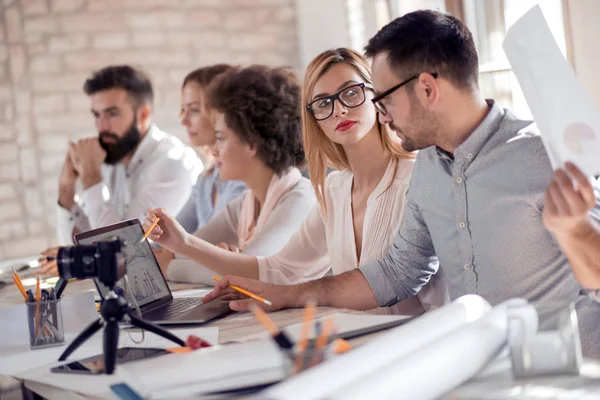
(280, 337)
(19, 284)
(150, 229)
(247, 293)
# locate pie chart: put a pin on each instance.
(580, 138)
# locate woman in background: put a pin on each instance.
(257, 125)
(211, 193)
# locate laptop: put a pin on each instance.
(146, 281)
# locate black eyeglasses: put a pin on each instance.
(377, 99)
(351, 96)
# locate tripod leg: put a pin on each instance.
(82, 337)
(140, 323)
(111, 341)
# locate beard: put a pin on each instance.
(121, 147)
(420, 131)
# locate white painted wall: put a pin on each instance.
(322, 25)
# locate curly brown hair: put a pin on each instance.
(262, 106)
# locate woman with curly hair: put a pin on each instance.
(256, 115)
(360, 207)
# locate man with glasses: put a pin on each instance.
(475, 205)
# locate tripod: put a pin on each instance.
(113, 310)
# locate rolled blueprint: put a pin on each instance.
(346, 369)
(432, 370)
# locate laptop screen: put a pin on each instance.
(146, 281)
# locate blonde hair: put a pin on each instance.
(320, 151)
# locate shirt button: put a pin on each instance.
(470, 156)
(462, 224)
(468, 267)
(459, 180)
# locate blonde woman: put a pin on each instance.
(359, 208)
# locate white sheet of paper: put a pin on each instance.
(224, 367)
(342, 323)
(565, 113)
(98, 385)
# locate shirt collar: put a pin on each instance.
(146, 147)
(479, 137)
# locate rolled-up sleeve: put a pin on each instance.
(408, 265)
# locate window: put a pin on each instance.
(488, 21)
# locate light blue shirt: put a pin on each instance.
(477, 214)
(199, 208)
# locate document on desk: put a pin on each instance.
(220, 368)
(99, 385)
(343, 323)
(565, 113)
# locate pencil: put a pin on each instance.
(38, 297)
(309, 315)
(282, 340)
(19, 284)
(150, 229)
(264, 319)
(247, 293)
(324, 336)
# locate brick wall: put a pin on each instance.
(49, 47)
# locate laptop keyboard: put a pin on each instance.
(174, 308)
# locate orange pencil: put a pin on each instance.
(38, 297)
(247, 293)
(264, 319)
(324, 336)
(150, 229)
(309, 315)
(19, 284)
(280, 337)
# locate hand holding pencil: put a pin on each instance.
(163, 229)
(274, 294)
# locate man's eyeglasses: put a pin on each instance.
(377, 99)
(351, 96)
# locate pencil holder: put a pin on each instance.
(301, 361)
(45, 324)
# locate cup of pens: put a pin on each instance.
(45, 322)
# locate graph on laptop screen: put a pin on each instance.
(144, 276)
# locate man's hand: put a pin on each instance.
(280, 296)
(49, 267)
(566, 205)
(87, 156)
(164, 257)
(66, 184)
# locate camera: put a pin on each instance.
(102, 260)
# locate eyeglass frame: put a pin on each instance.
(336, 96)
(377, 99)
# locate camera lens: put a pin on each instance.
(77, 262)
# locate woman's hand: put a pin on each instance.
(229, 247)
(164, 258)
(168, 232)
